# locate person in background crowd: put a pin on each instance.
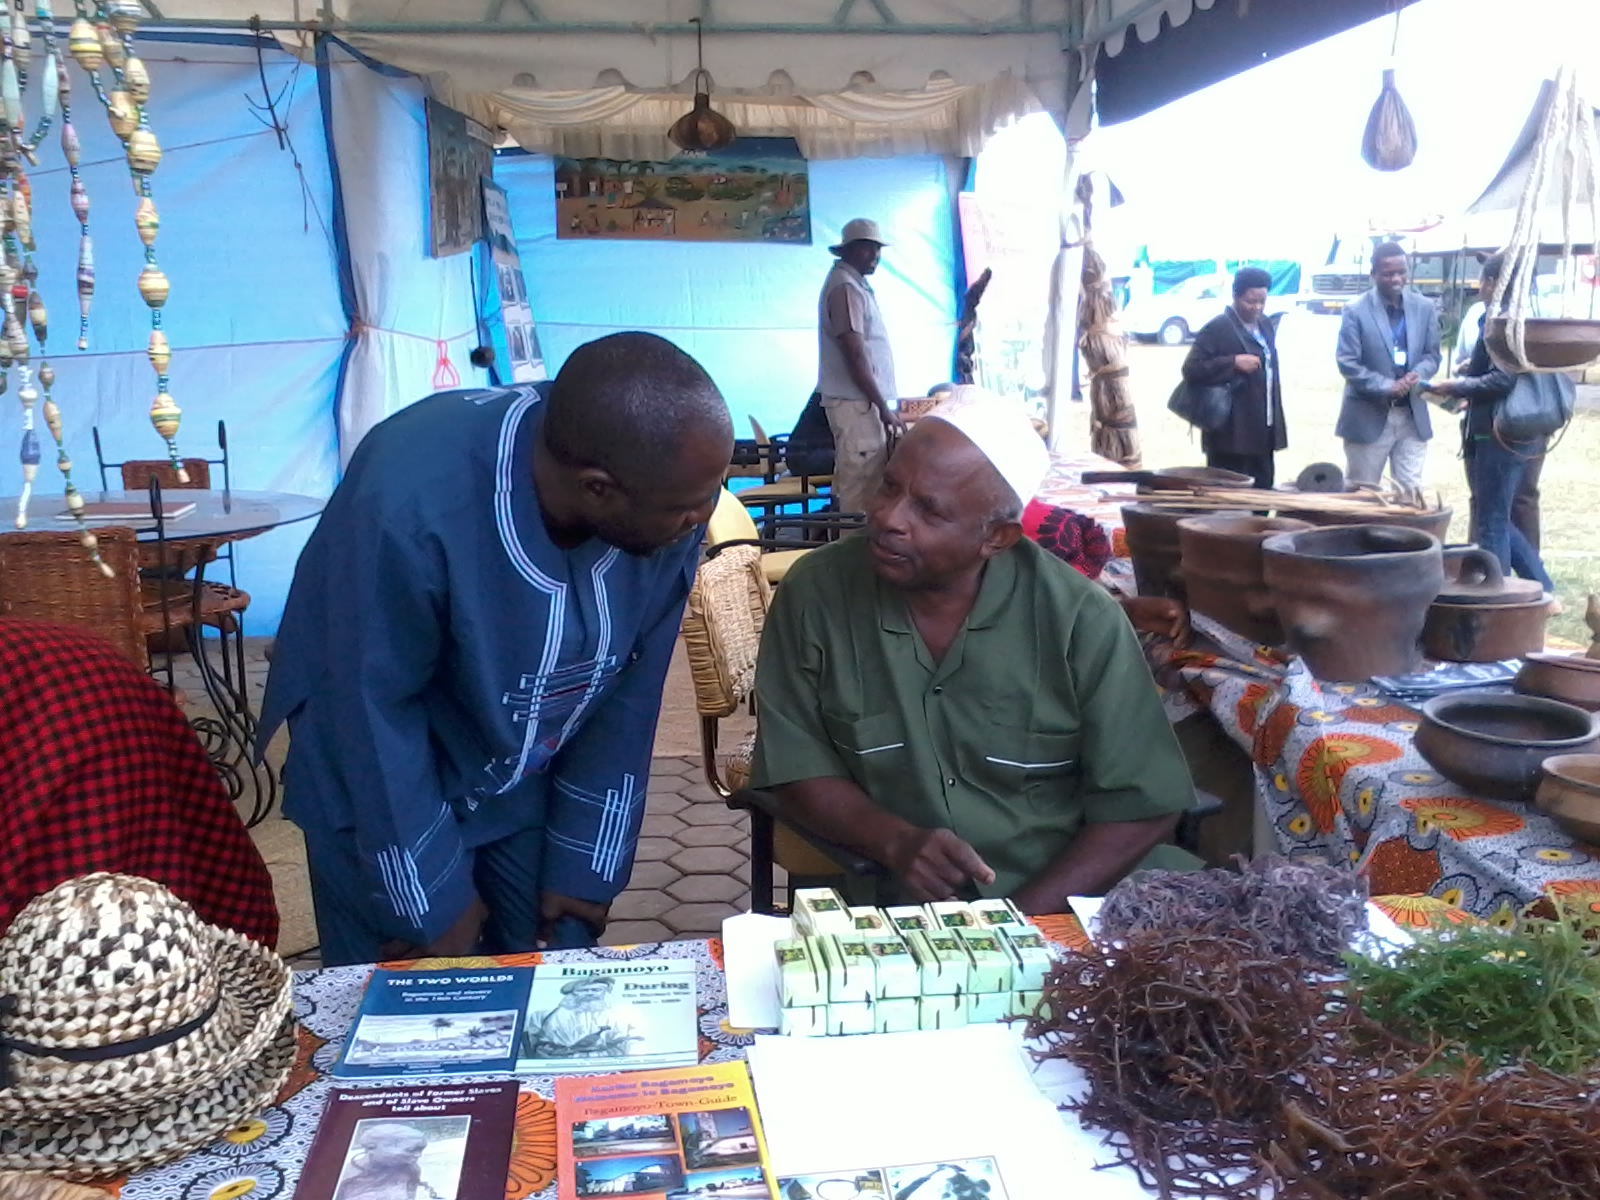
(949, 699)
(1388, 346)
(99, 771)
(855, 367)
(474, 647)
(1239, 347)
(1494, 469)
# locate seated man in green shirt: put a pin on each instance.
(952, 701)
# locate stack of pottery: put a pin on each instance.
(1153, 546)
(1481, 616)
(1223, 572)
(1353, 599)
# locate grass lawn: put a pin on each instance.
(1570, 486)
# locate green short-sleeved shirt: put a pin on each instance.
(1042, 716)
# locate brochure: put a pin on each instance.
(610, 1016)
(690, 1134)
(450, 1022)
(452, 1142)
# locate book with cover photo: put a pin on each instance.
(689, 1134)
(451, 1022)
(450, 1142)
(610, 1016)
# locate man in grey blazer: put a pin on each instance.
(1388, 347)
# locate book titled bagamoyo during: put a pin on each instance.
(452, 1022)
(689, 1134)
(449, 1142)
(610, 1016)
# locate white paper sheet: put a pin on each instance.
(751, 969)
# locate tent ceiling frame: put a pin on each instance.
(874, 17)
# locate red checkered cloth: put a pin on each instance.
(99, 771)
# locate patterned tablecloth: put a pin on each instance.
(1338, 775)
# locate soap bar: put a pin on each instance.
(991, 962)
(848, 966)
(896, 973)
(945, 965)
(911, 918)
(850, 1018)
(1030, 958)
(998, 912)
(1025, 1004)
(896, 1016)
(984, 1008)
(952, 914)
(803, 1022)
(802, 981)
(941, 1012)
(869, 920)
(818, 911)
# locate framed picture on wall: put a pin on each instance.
(460, 156)
(515, 343)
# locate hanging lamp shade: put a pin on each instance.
(702, 128)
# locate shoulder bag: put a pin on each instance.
(1205, 406)
(1537, 406)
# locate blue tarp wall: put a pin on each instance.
(254, 243)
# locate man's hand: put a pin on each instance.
(1400, 387)
(1246, 364)
(892, 424)
(553, 907)
(934, 863)
(1157, 615)
(459, 941)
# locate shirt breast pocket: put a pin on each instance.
(868, 746)
(1037, 765)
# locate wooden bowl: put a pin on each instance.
(1569, 794)
(1555, 343)
(1495, 744)
(1570, 678)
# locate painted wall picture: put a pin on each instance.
(460, 155)
(757, 190)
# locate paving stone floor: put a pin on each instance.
(692, 868)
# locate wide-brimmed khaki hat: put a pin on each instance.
(862, 229)
(131, 1032)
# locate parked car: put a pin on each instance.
(1174, 316)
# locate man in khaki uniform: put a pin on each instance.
(949, 699)
(855, 367)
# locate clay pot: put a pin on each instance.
(1569, 794)
(1153, 545)
(1555, 343)
(1222, 571)
(1484, 632)
(1436, 522)
(1493, 744)
(1570, 678)
(1353, 599)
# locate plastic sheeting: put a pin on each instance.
(749, 312)
(254, 317)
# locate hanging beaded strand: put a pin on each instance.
(110, 42)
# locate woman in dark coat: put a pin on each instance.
(1238, 349)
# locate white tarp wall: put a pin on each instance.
(254, 317)
(748, 312)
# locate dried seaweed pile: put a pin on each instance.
(1302, 908)
(1222, 1071)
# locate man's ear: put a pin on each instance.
(599, 484)
(1001, 538)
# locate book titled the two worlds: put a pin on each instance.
(556, 1018)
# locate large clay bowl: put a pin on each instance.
(1494, 743)
(1569, 794)
(1484, 632)
(1556, 343)
(1353, 599)
(1569, 678)
(1436, 522)
(1152, 535)
(1208, 476)
(1224, 576)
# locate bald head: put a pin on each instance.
(629, 404)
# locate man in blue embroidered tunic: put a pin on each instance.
(473, 652)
